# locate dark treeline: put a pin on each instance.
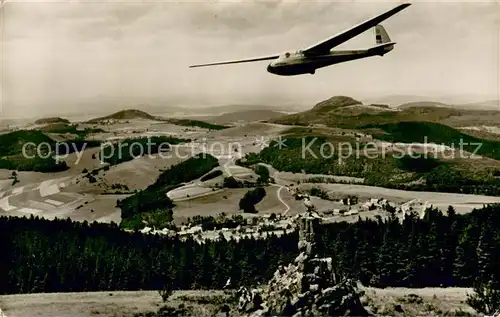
(62, 256)
(438, 250)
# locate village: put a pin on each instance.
(260, 226)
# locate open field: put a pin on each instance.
(461, 202)
(428, 302)
(227, 200)
(112, 304)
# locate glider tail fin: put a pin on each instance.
(383, 42)
(381, 36)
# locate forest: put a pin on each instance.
(406, 172)
(63, 256)
(431, 132)
(198, 123)
(17, 154)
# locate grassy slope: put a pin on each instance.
(153, 201)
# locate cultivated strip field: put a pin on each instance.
(461, 202)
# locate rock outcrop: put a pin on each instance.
(309, 286)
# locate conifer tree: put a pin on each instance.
(464, 267)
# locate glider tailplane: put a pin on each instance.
(382, 49)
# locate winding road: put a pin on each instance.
(272, 170)
(278, 194)
(226, 166)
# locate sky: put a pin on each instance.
(76, 56)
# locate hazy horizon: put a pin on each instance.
(63, 57)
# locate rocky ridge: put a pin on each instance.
(309, 286)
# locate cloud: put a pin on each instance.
(58, 55)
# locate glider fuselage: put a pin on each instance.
(298, 63)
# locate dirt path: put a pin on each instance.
(278, 194)
(226, 166)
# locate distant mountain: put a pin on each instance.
(396, 100)
(453, 99)
(482, 105)
(218, 110)
(242, 116)
(423, 104)
(128, 114)
(51, 120)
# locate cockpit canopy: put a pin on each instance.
(285, 55)
(289, 54)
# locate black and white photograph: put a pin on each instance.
(249, 158)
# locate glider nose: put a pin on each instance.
(270, 68)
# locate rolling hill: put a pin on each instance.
(52, 120)
(346, 112)
(484, 105)
(127, 114)
(337, 111)
(333, 111)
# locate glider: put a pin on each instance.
(319, 55)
